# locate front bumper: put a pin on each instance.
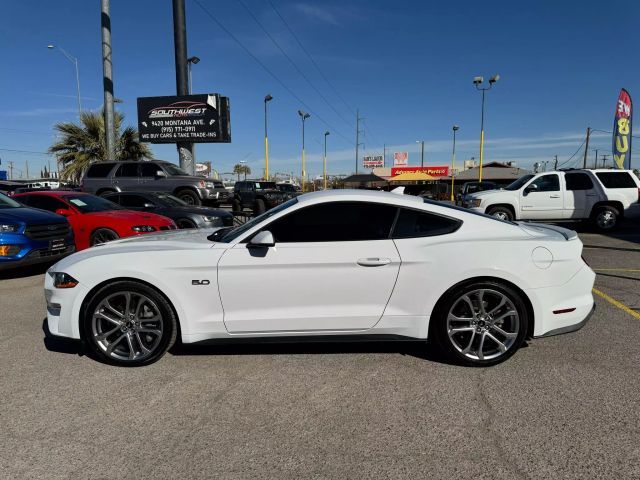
(63, 308)
(212, 194)
(35, 256)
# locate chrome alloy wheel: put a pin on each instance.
(501, 216)
(483, 324)
(127, 326)
(605, 219)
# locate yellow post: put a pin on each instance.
(481, 154)
(266, 158)
(303, 169)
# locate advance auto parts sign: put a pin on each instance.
(189, 118)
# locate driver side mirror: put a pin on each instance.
(161, 174)
(65, 212)
(530, 188)
(263, 239)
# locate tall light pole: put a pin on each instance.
(477, 81)
(453, 161)
(422, 152)
(324, 162)
(192, 61)
(303, 117)
(107, 81)
(73, 60)
(267, 99)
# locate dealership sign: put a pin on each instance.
(401, 158)
(373, 161)
(439, 171)
(188, 118)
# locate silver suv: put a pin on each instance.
(102, 178)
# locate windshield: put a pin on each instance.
(6, 202)
(229, 234)
(519, 183)
(169, 200)
(91, 204)
(266, 186)
(171, 169)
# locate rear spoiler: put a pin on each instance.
(565, 232)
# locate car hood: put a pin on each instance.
(173, 241)
(211, 212)
(487, 193)
(131, 216)
(30, 215)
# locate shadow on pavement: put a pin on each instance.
(60, 344)
(25, 271)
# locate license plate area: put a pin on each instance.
(57, 244)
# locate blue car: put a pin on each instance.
(29, 235)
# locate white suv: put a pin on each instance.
(566, 195)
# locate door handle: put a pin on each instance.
(373, 262)
(554, 196)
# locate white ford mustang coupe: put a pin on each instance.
(347, 262)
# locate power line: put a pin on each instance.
(574, 154)
(292, 62)
(266, 69)
(286, 24)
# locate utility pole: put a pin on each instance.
(10, 170)
(358, 132)
(555, 162)
(384, 155)
(185, 149)
(604, 160)
(586, 148)
(595, 165)
(26, 164)
(107, 82)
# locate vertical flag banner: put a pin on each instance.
(622, 132)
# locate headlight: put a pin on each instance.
(8, 227)
(63, 280)
(143, 228)
(9, 250)
(207, 218)
(475, 202)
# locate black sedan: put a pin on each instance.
(185, 216)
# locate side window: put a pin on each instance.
(578, 181)
(547, 183)
(127, 170)
(99, 170)
(414, 223)
(132, 201)
(43, 202)
(616, 179)
(149, 169)
(335, 222)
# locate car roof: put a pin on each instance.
(53, 193)
(360, 195)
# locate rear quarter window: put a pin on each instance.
(99, 170)
(616, 179)
(416, 223)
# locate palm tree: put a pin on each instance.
(79, 145)
(240, 168)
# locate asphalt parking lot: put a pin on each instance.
(563, 407)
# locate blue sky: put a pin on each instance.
(406, 65)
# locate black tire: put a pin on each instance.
(105, 192)
(157, 344)
(451, 344)
(185, 223)
(189, 196)
(605, 218)
(503, 213)
(259, 207)
(102, 235)
(236, 206)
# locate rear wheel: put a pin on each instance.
(189, 197)
(501, 213)
(606, 218)
(129, 324)
(102, 235)
(480, 324)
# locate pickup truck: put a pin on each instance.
(601, 196)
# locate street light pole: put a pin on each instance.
(477, 81)
(191, 61)
(422, 152)
(324, 163)
(73, 60)
(267, 99)
(107, 82)
(303, 116)
(453, 160)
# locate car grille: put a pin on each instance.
(47, 232)
(43, 252)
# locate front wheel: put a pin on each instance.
(606, 218)
(259, 207)
(129, 324)
(189, 197)
(480, 324)
(102, 235)
(501, 213)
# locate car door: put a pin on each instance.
(150, 181)
(131, 201)
(542, 198)
(333, 268)
(126, 176)
(579, 196)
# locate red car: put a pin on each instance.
(94, 219)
